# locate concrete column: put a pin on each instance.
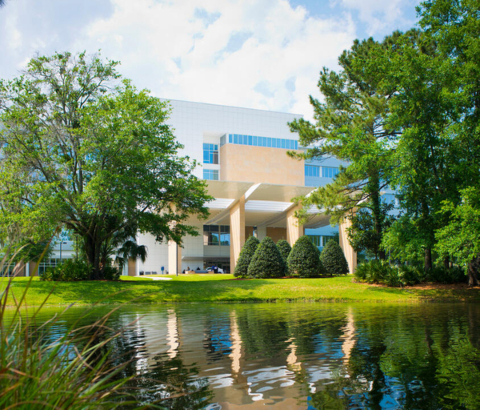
(294, 228)
(350, 254)
(174, 258)
(237, 231)
(261, 232)
(132, 267)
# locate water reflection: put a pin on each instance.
(299, 356)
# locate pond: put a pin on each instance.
(299, 355)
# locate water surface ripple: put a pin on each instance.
(298, 355)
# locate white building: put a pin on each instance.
(242, 153)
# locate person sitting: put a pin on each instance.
(198, 267)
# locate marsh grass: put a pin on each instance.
(71, 370)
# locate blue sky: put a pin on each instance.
(263, 54)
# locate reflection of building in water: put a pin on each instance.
(236, 344)
(248, 373)
(172, 335)
(348, 336)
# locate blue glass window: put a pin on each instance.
(261, 141)
(210, 174)
(312, 171)
(210, 153)
(329, 172)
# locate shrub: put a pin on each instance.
(267, 261)
(440, 274)
(284, 248)
(333, 259)
(304, 259)
(245, 257)
(410, 275)
(377, 271)
(111, 273)
(69, 270)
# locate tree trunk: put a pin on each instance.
(446, 262)
(428, 259)
(473, 268)
(92, 250)
(377, 213)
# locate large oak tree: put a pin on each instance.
(81, 148)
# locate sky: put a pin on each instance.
(264, 54)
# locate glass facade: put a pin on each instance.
(210, 153)
(317, 171)
(216, 235)
(256, 141)
(320, 240)
(211, 174)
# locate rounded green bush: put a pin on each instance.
(267, 261)
(333, 259)
(246, 255)
(284, 248)
(304, 259)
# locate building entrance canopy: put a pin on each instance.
(265, 204)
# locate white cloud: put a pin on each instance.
(379, 15)
(251, 53)
(167, 48)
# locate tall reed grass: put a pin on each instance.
(71, 372)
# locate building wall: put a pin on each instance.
(277, 233)
(195, 123)
(260, 164)
(157, 255)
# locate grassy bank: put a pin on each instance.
(221, 288)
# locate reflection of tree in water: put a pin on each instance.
(173, 385)
(410, 365)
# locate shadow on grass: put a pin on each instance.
(218, 290)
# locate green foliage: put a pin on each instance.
(350, 125)
(69, 271)
(111, 273)
(284, 248)
(377, 271)
(440, 274)
(460, 238)
(267, 261)
(86, 151)
(363, 234)
(304, 259)
(245, 257)
(333, 259)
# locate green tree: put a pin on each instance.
(284, 248)
(245, 257)
(350, 125)
(84, 150)
(267, 261)
(304, 259)
(460, 238)
(362, 234)
(333, 259)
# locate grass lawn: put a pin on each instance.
(221, 288)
